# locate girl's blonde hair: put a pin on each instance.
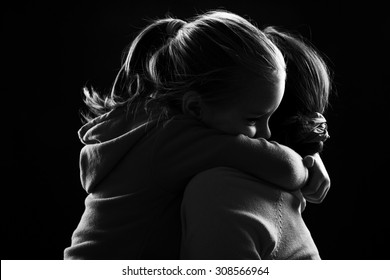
(214, 54)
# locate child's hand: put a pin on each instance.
(318, 184)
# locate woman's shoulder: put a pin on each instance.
(227, 180)
(225, 185)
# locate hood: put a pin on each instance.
(107, 139)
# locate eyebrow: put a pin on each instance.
(259, 112)
(256, 115)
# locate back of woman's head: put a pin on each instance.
(215, 55)
(307, 90)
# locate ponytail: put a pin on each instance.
(214, 55)
(135, 81)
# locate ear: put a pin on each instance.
(192, 104)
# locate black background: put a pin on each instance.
(50, 51)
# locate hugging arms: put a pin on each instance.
(176, 110)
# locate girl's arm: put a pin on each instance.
(186, 147)
(318, 183)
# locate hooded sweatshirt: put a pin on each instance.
(135, 170)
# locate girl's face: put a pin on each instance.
(250, 115)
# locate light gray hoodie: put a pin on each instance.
(135, 171)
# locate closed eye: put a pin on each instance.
(252, 121)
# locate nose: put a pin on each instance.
(267, 132)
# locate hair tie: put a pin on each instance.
(309, 129)
(174, 26)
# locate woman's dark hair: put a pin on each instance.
(214, 54)
(307, 90)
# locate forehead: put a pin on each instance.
(262, 97)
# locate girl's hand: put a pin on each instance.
(318, 184)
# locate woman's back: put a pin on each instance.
(227, 214)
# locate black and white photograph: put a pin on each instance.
(195, 130)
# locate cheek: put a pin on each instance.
(236, 129)
(249, 131)
(252, 131)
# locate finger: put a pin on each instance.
(308, 161)
(312, 186)
(320, 195)
(317, 198)
(318, 189)
(315, 185)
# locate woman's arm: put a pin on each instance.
(186, 147)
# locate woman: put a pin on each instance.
(227, 214)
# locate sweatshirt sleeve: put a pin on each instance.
(186, 147)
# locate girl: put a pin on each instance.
(230, 215)
(189, 97)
